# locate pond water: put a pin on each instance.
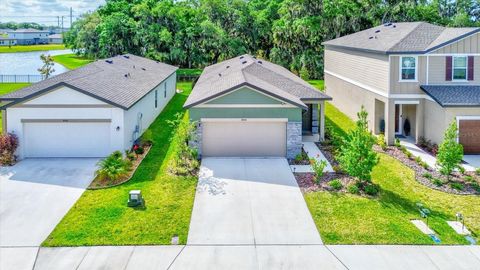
(27, 63)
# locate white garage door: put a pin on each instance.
(244, 139)
(66, 139)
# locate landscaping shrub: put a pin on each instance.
(461, 169)
(337, 169)
(381, 142)
(428, 175)
(357, 156)
(335, 184)
(186, 161)
(468, 178)
(8, 146)
(450, 152)
(397, 142)
(147, 138)
(476, 186)
(371, 189)
(139, 150)
(457, 186)
(477, 171)
(408, 154)
(353, 189)
(113, 167)
(130, 155)
(437, 182)
(318, 168)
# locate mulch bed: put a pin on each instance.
(420, 173)
(101, 183)
(304, 161)
(307, 183)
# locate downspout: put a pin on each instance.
(4, 121)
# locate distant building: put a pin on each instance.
(6, 41)
(29, 36)
(55, 39)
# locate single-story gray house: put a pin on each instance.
(250, 107)
(91, 111)
(55, 39)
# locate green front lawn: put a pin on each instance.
(6, 88)
(351, 219)
(71, 61)
(31, 48)
(101, 217)
(189, 71)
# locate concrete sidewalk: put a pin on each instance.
(356, 257)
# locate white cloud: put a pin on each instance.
(44, 11)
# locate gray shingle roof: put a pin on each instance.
(408, 37)
(121, 83)
(454, 95)
(259, 74)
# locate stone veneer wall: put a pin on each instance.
(294, 139)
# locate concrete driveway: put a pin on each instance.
(250, 202)
(473, 162)
(36, 193)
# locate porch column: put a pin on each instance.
(419, 110)
(390, 121)
(314, 118)
(322, 120)
(4, 121)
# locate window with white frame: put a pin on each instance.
(459, 69)
(408, 68)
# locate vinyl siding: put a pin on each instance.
(437, 71)
(366, 68)
(349, 99)
(293, 114)
(405, 87)
(245, 95)
(146, 107)
(470, 44)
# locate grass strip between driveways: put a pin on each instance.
(6, 88)
(101, 217)
(351, 219)
(31, 48)
(71, 60)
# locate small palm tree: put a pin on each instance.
(113, 167)
(47, 68)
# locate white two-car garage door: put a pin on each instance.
(71, 138)
(246, 138)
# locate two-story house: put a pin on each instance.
(413, 78)
(29, 36)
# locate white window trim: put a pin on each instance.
(400, 69)
(466, 68)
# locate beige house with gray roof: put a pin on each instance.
(416, 73)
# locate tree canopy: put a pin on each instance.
(196, 33)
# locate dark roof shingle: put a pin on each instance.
(454, 95)
(122, 83)
(265, 76)
(407, 37)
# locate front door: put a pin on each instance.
(398, 119)
(307, 120)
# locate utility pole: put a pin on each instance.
(62, 24)
(58, 21)
(71, 15)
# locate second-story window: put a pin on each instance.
(459, 68)
(408, 68)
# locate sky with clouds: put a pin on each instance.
(44, 11)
